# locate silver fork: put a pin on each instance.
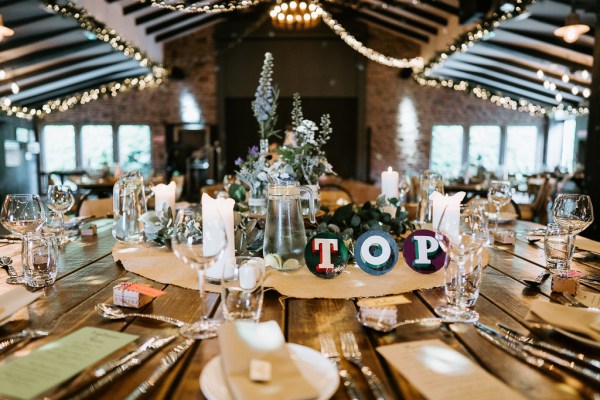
(570, 300)
(329, 350)
(352, 353)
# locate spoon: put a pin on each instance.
(14, 279)
(383, 326)
(111, 311)
(538, 280)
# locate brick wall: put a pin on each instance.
(399, 112)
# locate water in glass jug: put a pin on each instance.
(285, 238)
(129, 203)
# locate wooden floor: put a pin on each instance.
(88, 274)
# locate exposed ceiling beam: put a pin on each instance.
(18, 23)
(389, 13)
(170, 23)
(189, 27)
(135, 7)
(552, 40)
(556, 22)
(142, 19)
(40, 100)
(440, 5)
(50, 54)
(29, 40)
(374, 18)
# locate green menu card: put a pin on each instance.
(42, 369)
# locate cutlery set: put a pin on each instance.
(352, 353)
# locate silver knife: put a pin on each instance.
(166, 364)
(8, 341)
(541, 354)
(92, 388)
(577, 357)
(112, 364)
(513, 349)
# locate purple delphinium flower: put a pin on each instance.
(239, 161)
(254, 151)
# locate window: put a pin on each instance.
(91, 147)
(484, 146)
(135, 147)
(521, 149)
(446, 149)
(59, 148)
(96, 146)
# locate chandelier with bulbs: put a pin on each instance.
(295, 15)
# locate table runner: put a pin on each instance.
(160, 264)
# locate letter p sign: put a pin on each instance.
(422, 252)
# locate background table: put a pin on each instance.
(88, 274)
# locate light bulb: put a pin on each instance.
(15, 88)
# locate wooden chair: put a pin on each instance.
(334, 195)
(511, 207)
(538, 209)
(211, 190)
(97, 207)
(180, 182)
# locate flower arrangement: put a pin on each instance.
(264, 105)
(306, 157)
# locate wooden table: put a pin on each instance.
(88, 273)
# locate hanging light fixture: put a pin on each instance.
(4, 31)
(573, 28)
(295, 15)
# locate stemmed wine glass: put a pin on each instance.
(499, 194)
(60, 200)
(199, 244)
(22, 214)
(462, 233)
(573, 213)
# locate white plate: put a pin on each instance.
(504, 217)
(314, 367)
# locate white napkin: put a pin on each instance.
(15, 299)
(243, 341)
(578, 320)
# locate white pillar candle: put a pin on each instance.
(451, 204)
(164, 196)
(389, 183)
(218, 208)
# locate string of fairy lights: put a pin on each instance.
(202, 6)
(155, 77)
(480, 32)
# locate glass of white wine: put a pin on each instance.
(22, 214)
(499, 194)
(60, 200)
(572, 213)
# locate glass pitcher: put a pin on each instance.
(129, 203)
(429, 182)
(285, 238)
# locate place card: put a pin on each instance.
(373, 302)
(441, 373)
(44, 368)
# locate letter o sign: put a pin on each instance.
(376, 252)
(422, 252)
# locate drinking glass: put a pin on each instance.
(242, 289)
(199, 244)
(40, 259)
(499, 194)
(556, 250)
(429, 182)
(573, 213)
(462, 233)
(60, 200)
(403, 188)
(22, 214)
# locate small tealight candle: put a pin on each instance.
(390, 180)
(248, 276)
(164, 196)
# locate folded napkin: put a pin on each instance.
(578, 320)
(241, 342)
(15, 299)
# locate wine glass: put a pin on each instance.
(403, 188)
(573, 213)
(499, 194)
(462, 233)
(199, 244)
(22, 214)
(60, 200)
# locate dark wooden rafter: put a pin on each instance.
(18, 23)
(40, 100)
(50, 54)
(11, 44)
(556, 22)
(374, 19)
(135, 7)
(435, 18)
(406, 20)
(440, 5)
(210, 18)
(180, 18)
(151, 16)
(552, 40)
(69, 75)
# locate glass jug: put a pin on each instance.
(129, 203)
(285, 238)
(429, 182)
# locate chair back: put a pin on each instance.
(97, 207)
(334, 195)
